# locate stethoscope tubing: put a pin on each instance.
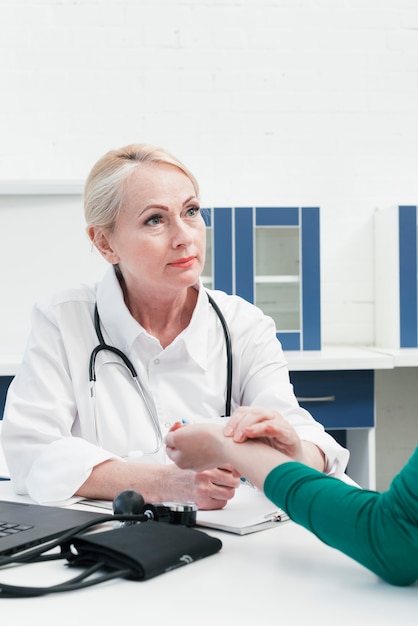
(103, 346)
(228, 348)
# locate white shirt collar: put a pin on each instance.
(117, 322)
(123, 330)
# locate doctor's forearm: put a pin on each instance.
(313, 456)
(111, 477)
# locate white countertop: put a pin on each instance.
(9, 364)
(328, 358)
(340, 358)
(403, 357)
(283, 575)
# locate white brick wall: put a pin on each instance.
(270, 102)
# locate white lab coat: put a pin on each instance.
(53, 435)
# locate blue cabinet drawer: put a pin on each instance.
(341, 399)
(4, 385)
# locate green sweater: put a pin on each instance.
(379, 530)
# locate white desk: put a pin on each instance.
(282, 575)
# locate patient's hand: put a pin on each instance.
(197, 446)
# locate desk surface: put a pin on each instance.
(283, 575)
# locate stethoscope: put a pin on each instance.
(128, 363)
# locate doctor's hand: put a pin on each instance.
(199, 447)
(214, 488)
(251, 422)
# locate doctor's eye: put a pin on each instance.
(154, 220)
(193, 210)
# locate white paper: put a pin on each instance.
(249, 511)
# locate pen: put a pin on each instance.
(245, 481)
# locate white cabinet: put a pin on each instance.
(270, 256)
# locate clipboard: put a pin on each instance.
(248, 512)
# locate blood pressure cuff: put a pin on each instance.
(142, 551)
(137, 552)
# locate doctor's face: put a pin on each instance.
(159, 237)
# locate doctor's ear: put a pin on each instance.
(100, 238)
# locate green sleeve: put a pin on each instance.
(379, 530)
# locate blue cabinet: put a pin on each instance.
(338, 399)
(343, 402)
(396, 277)
(408, 304)
(271, 257)
(4, 385)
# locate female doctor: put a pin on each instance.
(109, 368)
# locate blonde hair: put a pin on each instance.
(105, 185)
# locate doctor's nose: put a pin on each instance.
(181, 235)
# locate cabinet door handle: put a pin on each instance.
(316, 399)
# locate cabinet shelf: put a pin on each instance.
(276, 279)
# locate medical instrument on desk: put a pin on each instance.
(128, 363)
(138, 549)
(130, 502)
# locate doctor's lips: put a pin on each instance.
(184, 262)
